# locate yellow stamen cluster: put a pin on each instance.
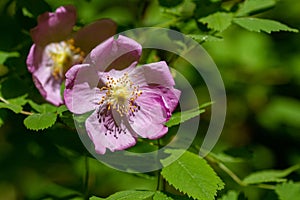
(64, 54)
(120, 95)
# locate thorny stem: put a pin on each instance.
(235, 177)
(22, 111)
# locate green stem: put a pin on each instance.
(22, 111)
(86, 178)
(160, 180)
(235, 177)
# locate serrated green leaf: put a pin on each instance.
(269, 175)
(181, 117)
(40, 121)
(231, 195)
(288, 191)
(250, 6)
(130, 195)
(218, 21)
(192, 175)
(258, 25)
(161, 196)
(42, 108)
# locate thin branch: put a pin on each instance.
(235, 177)
(22, 111)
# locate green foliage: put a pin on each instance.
(231, 195)
(40, 121)
(253, 6)
(261, 74)
(14, 104)
(161, 196)
(43, 108)
(281, 111)
(5, 55)
(266, 25)
(269, 175)
(192, 175)
(183, 116)
(288, 191)
(128, 195)
(218, 21)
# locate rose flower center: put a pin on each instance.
(120, 95)
(62, 56)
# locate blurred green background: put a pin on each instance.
(261, 73)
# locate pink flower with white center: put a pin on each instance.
(126, 102)
(56, 48)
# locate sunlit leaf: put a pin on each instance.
(218, 21)
(181, 117)
(266, 25)
(14, 104)
(40, 121)
(42, 108)
(288, 191)
(130, 195)
(269, 175)
(191, 175)
(250, 6)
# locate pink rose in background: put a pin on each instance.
(56, 48)
(127, 102)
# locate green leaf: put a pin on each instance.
(288, 191)
(40, 121)
(281, 110)
(181, 117)
(218, 21)
(205, 38)
(161, 196)
(266, 25)
(5, 55)
(43, 108)
(130, 195)
(62, 109)
(14, 108)
(231, 195)
(192, 175)
(251, 6)
(95, 198)
(14, 104)
(269, 175)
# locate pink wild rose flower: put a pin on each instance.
(56, 48)
(126, 101)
